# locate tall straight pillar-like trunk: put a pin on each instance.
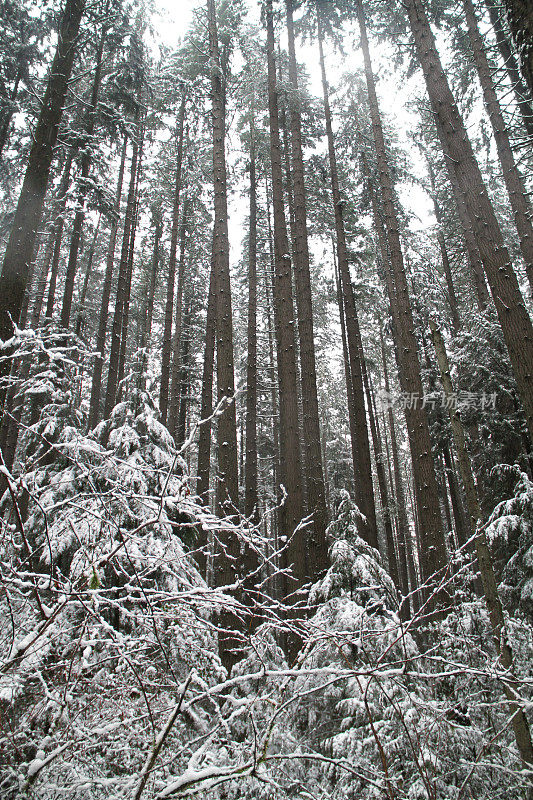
(250, 465)
(116, 331)
(514, 182)
(314, 478)
(290, 464)
(96, 386)
(170, 282)
(433, 552)
(86, 159)
(206, 401)
(175, 380)
(19, 250)
(452, 297)
(363, 466)
(512, 313)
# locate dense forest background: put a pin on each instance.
(266, 379)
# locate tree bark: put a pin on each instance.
(96, 386)
(86, 159)
(122, 285)
(511, 66)
(169, 305)
(520, 19)
(19, 250)
(290, 465)
(175, 380)
(514, 182)
(512, 313)
(250, 466)
(433, 552)
(363, 465)
(314, 478)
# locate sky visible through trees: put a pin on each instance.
(266, 399)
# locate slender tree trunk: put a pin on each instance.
(122, 285)
(148, 304)
(19, 250)
(349, 389)
(514, 318)
(8, 116)
(511, 65)
(363, 465)
(169, 305)
(206, 403)
(80, 317)
(250, 468)
(96, 387)
(86, 159)
(520, 18)
(314, 478)
(184, 377)
(433, 553)
(173, 409)
(290, 464)
(514, 182)
(55, 242)
(490, 588)
(452, 297)
(403, 523)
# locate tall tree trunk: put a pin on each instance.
(169, 305)
(122, 285)
(363, 465)
(206, 402)
(81, 314)
(452, 297)
(86, 159)
(490, 588)
(7, 116)
(19, 250)
(520, 18)
(349, 388)
(174, 406)
(148, 303)
(511, 65)
(227, 487)
(433, 552)
(184, 376)
(250, 467)
(55, 240)
(96, 387)
(314, 478)
(514, 318)
(514, 182)
(455, 497)
(404, 533)
(290, 465)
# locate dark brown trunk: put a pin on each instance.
(363, 465)
(433, 551)
(96, 387)
(173, 409)
(80, 317)
(452, 297)
(206, 404)
(250, 467)
(514, 182)
(290, 465)
(86, 159)
(122, 285)
(512, 313)
(404, 533)
(169, 305)
(511, 65)
(455, 497)
(19, 250)
(520, 18)
(314, 478)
